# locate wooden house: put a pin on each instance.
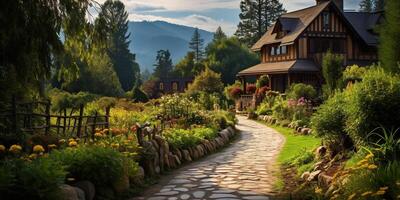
(174, 85)
(292, 49)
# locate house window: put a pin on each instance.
(272, 51)
(326, 19)
(175, 86)
(161, 86)
(279, 50)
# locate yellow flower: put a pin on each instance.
(15, 148)
(380, 192)
(52, 146)
(72, 144)
(62, 141)
(33, 156)
(98, 134)
(372, 166)
(383, 188)
(71, 139)
(2, 148)
(318, 190)
(369, 156)
(115, 145)
(366, 193)
(38, 149)
(352, 196)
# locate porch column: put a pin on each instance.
(244, 84)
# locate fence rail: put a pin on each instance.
(35, 116)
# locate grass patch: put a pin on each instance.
(294, 144)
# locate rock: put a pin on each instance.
(178, 153)
(219, 141)
(305, 176)
(186, 155)
(231, 130)
(194, 153)
(88, 188)
(177, 160)
(68, 192)
(313, 175)
(324, 179)
(172, 161)
(305, 131)
(318, 165)
(201, 150)
(166, 160)
(320, 151)
(165, 147)
(298, 129)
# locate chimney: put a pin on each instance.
(339, 3)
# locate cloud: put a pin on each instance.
(136, 7)
(202, 22)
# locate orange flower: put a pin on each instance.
(38, 149)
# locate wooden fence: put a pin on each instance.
(35, 117)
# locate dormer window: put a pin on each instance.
(326, 20)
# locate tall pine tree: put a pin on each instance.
(163, 66)
(219, 34)
(389, 49)
(196, 44)
(367, 5)
(255, 18)
(112, 27)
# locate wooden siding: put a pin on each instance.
(303, 52)
(266, 56)
(336, 25)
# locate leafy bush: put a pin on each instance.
(100, 165)
(264, 109)
(374, 102)
(37, 179)
(233, 91)
(139, 96)
(183, 139)
(121, 118)
(262, 81)
(354, 73)
(387, 147)
(329, 121)
(332, 70)
(298, 90)
(280, 109)
(220, 119)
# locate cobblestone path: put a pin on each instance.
(244, 170)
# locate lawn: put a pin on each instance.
(294, 143)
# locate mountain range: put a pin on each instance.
(149, 37)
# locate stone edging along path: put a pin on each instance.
(244, 170)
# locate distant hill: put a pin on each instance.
(149, 37)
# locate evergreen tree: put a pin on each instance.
(379, 5)
(255, 18)
(196, 45)
(163, 66)
(367, 5)
(389, 49)
(219, 34)
(112, 27)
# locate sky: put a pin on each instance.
(204, 14)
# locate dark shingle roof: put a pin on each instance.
(296, 22)
(364, 24)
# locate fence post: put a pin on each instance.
(78, 133)
(14, 114)
(107, 117)
(94, 125)
(65, 121)
(47, 117)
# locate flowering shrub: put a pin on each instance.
(301, 90)
(235, 92)
(262, 81)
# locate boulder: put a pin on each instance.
(68, 192)
(320, 151)
(200, 150)
(165, 147)
(166, 160)
(313, 175)
(172, 161)
(88, 188)
(178, 153)
(318, 165)
(305, 176)
(305, 131)
(324, 179)
(231, 130)
(177, 161)
(219, 141)
(186, 155)
(194, 153)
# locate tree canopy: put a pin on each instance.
(196, 45)
(163, 65)
(112, 28)
(228, 56)
(255, 18)
(207, 81)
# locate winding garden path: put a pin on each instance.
(244, 170)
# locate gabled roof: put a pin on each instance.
(362, 23)
(281, 67)
(296, 21)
